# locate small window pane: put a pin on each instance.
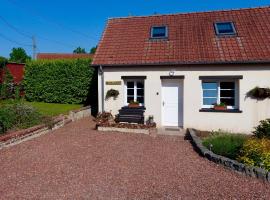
(209, 101)
(225, 28)
(130, 92)
(159, 31)
(209, 85)
(140, 85)
(228, 102)
(210, 93)
(227, 93)
(227, 85)
(140, 100)
(129, 99)
(130, 84)
(140, 92)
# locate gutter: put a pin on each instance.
(185, 63)
(101, 72)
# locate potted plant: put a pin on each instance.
(133, 104)
(259, 93)
(220, 106)
(112, 94)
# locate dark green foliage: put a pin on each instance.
(3, 62)
(112, 93)
(19, 55)
(228, 145)
(259, 93)
(18, 116)
(7, 119)
(25, 115)
(79, 50)
(58, 81)
(7, 86)
(263, 129)
(93, 50)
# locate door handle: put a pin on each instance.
(163, 103)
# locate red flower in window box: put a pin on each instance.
(221, 106)
(133, 104)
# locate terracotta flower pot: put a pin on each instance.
(133, 105)
(220, 107)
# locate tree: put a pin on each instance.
(79, 50)
(93, 50)
(19, 55)
(3, 62)
(7, 86)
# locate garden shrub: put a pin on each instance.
(225, 144)
(26, 115)
(18, 116)
(7, 119)
(256, 152)
(58, 81)
(263, 129)
(7, 86)
(3, 62)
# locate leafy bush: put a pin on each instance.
(18, 116)
(7, 119)
(58, 81)
(3, 62)
(263, 129)
(256, 152)
(26, 115)
(225, 144)
(7, 86)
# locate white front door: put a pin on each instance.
(172, 102)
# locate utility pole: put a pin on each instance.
(34, 46)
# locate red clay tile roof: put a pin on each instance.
(192, 39)
(53, 56)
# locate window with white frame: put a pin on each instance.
(216, 92)
(135, 91)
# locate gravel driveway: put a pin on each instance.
(77, 162)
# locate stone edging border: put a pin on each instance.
(234, 165)
(13, 138)
(151, 132)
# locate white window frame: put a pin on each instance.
(236, 91)
(135, 90)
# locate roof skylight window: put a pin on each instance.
(225, 28)
(159, 32)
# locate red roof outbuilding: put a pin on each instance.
(16, 70)
(54, 56)
(191, 39)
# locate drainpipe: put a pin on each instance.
(101, 72)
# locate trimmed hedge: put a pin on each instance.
(58, 81)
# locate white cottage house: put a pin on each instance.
(179, 66)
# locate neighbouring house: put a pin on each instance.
(54, 56)
(16, 70)
(178, 66)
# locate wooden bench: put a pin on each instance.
(131, 115)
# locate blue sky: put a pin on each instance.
(62, 25)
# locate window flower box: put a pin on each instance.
(220, 106)
(134, 104)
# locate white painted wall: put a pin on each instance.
(253, 111)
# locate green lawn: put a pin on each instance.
(48, 109)
(53, 109)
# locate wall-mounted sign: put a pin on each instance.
(113, 82)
